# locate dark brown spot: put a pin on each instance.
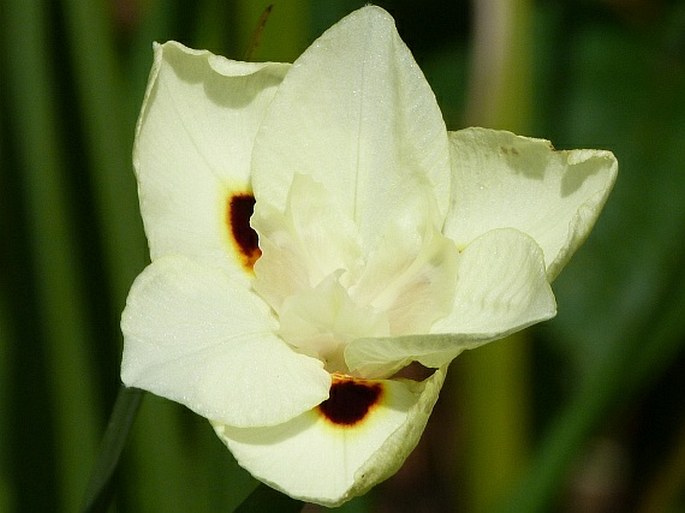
(239, 211)
(415, 372)
(350, 400)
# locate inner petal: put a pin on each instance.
(411, 276)
(321, 321)
(327, 293)
(304, 244)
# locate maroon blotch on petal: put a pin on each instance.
(239, 211)
(350, 400)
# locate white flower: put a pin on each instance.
(382, 240)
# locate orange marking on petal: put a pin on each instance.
(350, 400)
(239, 209)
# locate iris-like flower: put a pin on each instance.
(314, 229)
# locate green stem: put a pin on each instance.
(496, 417)
(123, 414)
(500, 72)
(494, 382)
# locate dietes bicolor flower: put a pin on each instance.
(314, 229)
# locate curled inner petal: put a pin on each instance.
(321, 321)
(350, 400)
(238, 212)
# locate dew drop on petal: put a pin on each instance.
(239, 210)
(350, 400)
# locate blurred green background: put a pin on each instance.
(585, 413)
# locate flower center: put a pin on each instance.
(240, 209)
(350, 400)
(329, 286)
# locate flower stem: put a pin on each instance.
(496, 410)
(123, 414)
(495, 378)
(500, 72)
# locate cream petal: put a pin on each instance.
(303, 245)
(503, 180)
(320, 321)
(378, 358)
(501, 288)
(411, 276)
(193, 149)
(356, 113)
(194, 335)
(316, 460)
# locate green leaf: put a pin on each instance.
(108, 119)
(61, 309)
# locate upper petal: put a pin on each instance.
(503, 180)
(193, 148)
(356, 113)
(194, 335)
(316, 460)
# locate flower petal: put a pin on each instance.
(503, 180)
(196, 336)
(501, 288)
(310, 240)
(356, 113)
(411, 276)
(324, 462)
(320, 321)
(193, 149)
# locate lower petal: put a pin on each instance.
(194, 335)
(327, 459)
